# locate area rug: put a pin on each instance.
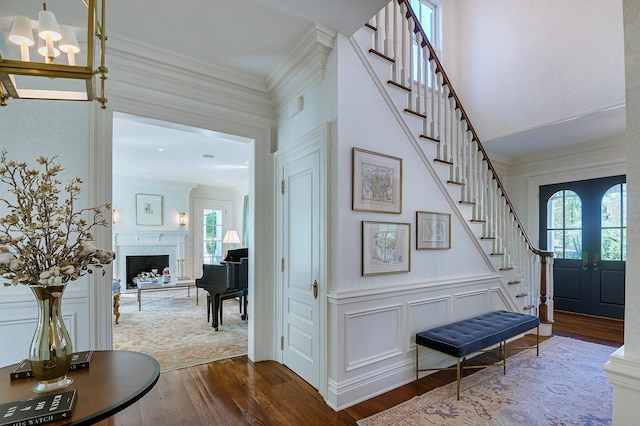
(174, 330)
(565, 385)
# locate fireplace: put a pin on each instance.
(148, 243)
(138, 264)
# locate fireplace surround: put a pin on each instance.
(134, 243)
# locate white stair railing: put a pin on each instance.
(399, 37)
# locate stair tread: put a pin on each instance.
(416, 113)
(437, 160)
(398, 85)
(381, 55)
(430, 138)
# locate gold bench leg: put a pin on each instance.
(458, 377)
(417, 346)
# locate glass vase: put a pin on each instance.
(51, 347)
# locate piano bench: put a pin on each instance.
(215, 309)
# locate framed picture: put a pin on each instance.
(148, 209)
(377, 182)
(386, 248)
(433, 231)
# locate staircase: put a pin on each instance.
(443, 134)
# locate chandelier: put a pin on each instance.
(42, 59)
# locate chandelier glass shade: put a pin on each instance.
(42, 59)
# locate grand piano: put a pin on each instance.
(228, 280)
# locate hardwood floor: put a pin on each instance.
(237, 391)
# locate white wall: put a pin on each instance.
(30, 129)
(523, 64)
(371, 320)
(175, 199)
(525, 175)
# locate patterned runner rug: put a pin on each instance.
(565, 385)
(174, 330)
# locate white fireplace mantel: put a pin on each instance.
(148, 242)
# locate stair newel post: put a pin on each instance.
(546, 268)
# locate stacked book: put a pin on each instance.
(78, 360)
(38, 410)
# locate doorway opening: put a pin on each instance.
(178, 167)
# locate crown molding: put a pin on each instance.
(304, 68)
(143, 65)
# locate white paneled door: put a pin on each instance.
(301, 272)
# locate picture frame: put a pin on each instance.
(433, 231)
(148, 209)
(386, 248)
(376, 182)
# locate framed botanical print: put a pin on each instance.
(148, 209)
(377, 182)
(386, 248)
(433, 231)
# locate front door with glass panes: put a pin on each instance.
(584, 224)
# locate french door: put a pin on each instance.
(210, 221)
(584, 224)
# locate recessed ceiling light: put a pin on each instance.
(207, 155)
(160, 149)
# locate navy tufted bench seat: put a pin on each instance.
(472, 335)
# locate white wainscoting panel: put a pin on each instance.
(470, 304)
(383, 330)
(426, 314)
(498, 300)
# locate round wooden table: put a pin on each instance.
(114, 381)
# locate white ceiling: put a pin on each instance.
(601, 125)
(153, 149)
(253, 37)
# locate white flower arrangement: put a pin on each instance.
(44, 240)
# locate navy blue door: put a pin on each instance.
(584, 224)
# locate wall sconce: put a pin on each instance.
(26, 78)
(182, 219)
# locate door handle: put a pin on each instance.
(585, 261)
(596, 261)
(315, 289)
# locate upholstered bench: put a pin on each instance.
(477, 334)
